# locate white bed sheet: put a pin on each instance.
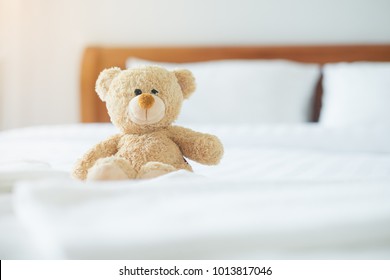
(299, 191)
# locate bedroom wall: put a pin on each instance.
(41, 41)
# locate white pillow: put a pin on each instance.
(247, 91)
(356, 94)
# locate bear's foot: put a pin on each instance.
(111, 168)
(154, 169)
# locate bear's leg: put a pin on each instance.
(154, 169)
(111, 168)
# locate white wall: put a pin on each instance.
(41, 41)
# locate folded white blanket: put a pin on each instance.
(19, 170)
(182, 215)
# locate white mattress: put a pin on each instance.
(285, 192)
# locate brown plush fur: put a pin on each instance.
(146, 150)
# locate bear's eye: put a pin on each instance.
(138, 91)
(154, 91)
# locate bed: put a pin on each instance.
(305, 175)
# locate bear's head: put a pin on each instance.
(144, 99)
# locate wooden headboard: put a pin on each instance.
(95, 59)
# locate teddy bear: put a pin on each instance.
(143, 103)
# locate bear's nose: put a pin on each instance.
(146, 101)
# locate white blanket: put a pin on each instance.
(280, 192)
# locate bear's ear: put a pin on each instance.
(103, 82)
(186, 81)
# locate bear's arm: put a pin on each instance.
(201, 147)
(105, 148)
